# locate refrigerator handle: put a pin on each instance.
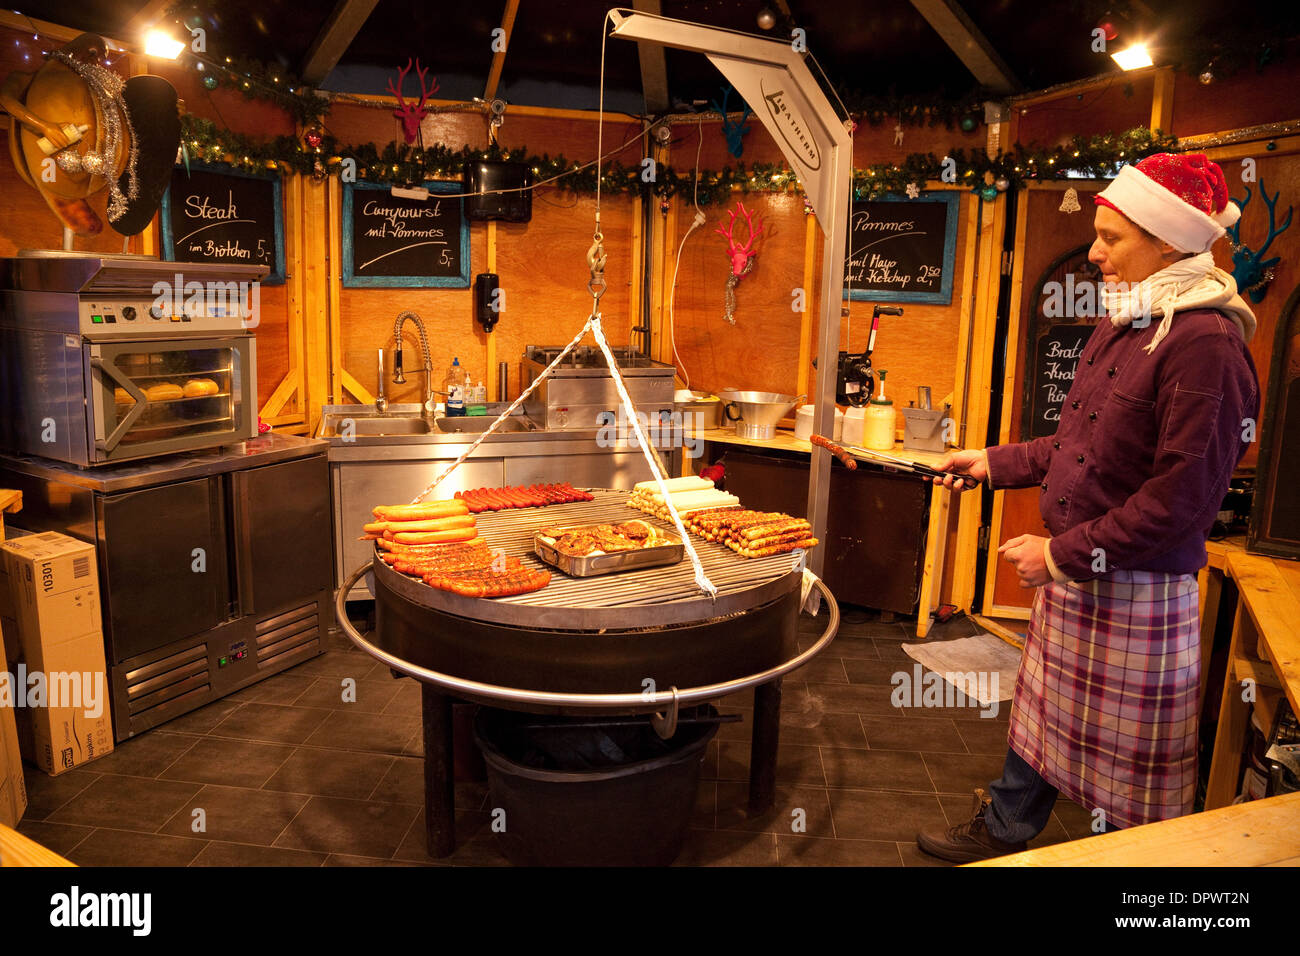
(243, 538)
(131, 417)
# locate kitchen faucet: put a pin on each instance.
(427, 404)
(381, 400)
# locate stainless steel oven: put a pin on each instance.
(114, 358)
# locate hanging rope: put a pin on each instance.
(701, 579)
(596, 285)
(504, 415)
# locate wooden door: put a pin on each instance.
(1051, 247)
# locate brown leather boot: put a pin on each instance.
(969, 841)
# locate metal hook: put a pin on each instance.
(665, 727)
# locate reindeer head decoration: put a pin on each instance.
(409, 114)
(1250, 269)
(742, 255)
(733, 132)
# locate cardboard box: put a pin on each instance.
(58, 678)
(13, 789)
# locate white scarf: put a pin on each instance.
(1191, 283)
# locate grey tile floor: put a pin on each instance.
(286, 774)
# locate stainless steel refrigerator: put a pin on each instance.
(214, 567)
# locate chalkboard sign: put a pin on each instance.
(1065, 312)
(215, 216)
(1056, 359)
(390, 241)
(902, 250)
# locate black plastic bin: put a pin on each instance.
(572, 795)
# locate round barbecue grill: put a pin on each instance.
(633, 642)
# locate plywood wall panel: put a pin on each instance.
(1281, 174)
(761, 350)
(543, 270)
(1246, 99)
(272, 336)
(915, 349)
(1122, 104)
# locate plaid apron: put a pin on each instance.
(1107, 697)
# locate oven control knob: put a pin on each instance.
(128, 313)
(155, 312)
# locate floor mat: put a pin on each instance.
(982, 667)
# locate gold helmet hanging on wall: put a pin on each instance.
(78, 129)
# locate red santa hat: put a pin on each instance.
(1182, 199)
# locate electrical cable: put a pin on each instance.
(699, 221)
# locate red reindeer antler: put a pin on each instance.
(740, 254)
(408, 114)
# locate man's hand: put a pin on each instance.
(970, 462)
(1028, 553)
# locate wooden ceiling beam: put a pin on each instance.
(964, 38)
(342, 27)
(499, 56)
(654, 69)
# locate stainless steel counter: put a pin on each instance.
(267, 449)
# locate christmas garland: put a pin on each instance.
(320, 154)
(257, 81)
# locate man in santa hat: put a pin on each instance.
(1161, 409)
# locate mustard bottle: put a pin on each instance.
(880, 422)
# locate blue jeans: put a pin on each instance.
(1022, 802)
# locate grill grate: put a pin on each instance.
(513, 532)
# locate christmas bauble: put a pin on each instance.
(967, 123)
(1206, 76)
(313, 137)
(1002, 184)
(989, 193)
(766, 19)
(210, 81)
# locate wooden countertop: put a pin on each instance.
(1218, 551)
(10, 501)
(785, 441)
(1258, 833)
(18, 850)
(1269, 589)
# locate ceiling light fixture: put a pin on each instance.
(1133, 58)
(160, 43)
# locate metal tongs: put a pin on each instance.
(846, 454)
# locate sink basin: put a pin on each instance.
(480, 423)
(337, 425)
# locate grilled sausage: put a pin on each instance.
(843, 455)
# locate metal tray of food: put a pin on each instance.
(668, 549)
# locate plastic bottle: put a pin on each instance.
(880, 422)
(455, 386)
(476, 404)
